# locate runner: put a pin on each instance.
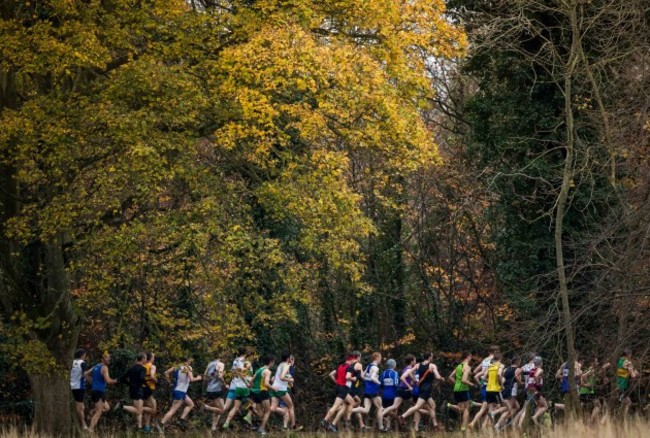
(344, 376)
(405, 388)
(512, 380)
(495, 382)
(371, 396)
(237, 366)
(624, 371)
(357, 388)
(241, 383)
(213, 376)
(183, 376)
(149, 388)
(587, 389)
(389, 381)
(534, 384)
(562, 374)
(524, 373)
(78, 385)
(282, 381)
(428, 372)
(460, 377)
(135, 378)
(100, 378)
(481, 370)
(260, 391)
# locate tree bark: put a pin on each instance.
(567, 179)
(35, 282)
(52, 413)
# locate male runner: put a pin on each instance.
(428, 372)
(405, 388)
(184, 376)
(282, 380)
(494, 387)
(213, 376)
(481, 370)
(150, 380)
(590, 380)
(624, 371)
(344, 376)
(511, 382)
(524, 373)
(562, 374)
(100, 378)
(135, 378)
(260, 390)
(460, 377)
(78, 385)
(389, 382)
(371, 396)
(241, 383)
(237, 367)
(534, 385)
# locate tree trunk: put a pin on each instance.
(52, 413)
(567, 178)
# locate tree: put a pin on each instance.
(175, 167)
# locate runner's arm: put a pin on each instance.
(106, 376)
(220, 371)
(153, 373)
(435, 372)
(332, 376)
(374, 375)
(518, 376)
(465, 379)
(558, 373)
(267, 380)
(403, 378)
(192, 377)
(452, 377)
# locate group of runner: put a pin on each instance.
(258, 393)
(359, 389)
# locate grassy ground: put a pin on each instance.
(636, 428)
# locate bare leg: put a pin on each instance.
(172, 410)
(233, 411)
(153, 405)
(290, 409)
(99, 409)
(80, 409)
(479, 415)
(266, 412)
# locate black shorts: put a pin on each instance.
(622, 394)
(259, 397)
(342, 392)
(587, 399)
(136, 394)
(146, 393)
(78, 395)
(387, 402)
(404, 393)
(425, 393)
(96, 396)
(493, 397)
(355, 391)
(371, 396)
(213, 395)
(506, 394)
(462, 396)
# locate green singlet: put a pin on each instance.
(459, 386)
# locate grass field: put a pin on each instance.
(636, 428)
